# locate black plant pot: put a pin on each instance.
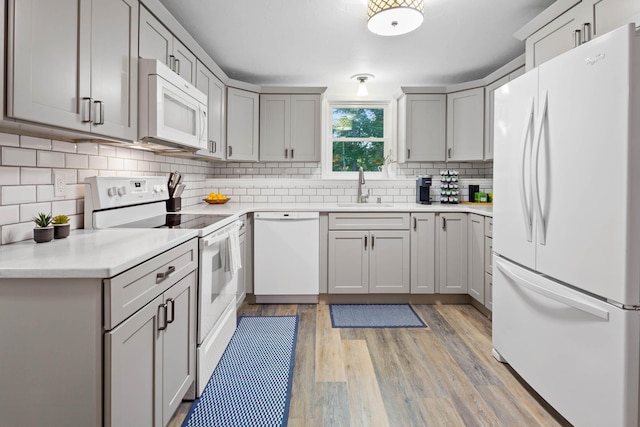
(43, 234)
(61, 231)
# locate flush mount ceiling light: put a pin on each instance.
(394, 17)
(362, 86)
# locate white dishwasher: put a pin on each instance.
(286, 257)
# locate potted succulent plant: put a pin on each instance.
(61, 227)
(43, 231)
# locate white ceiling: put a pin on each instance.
(325, 42)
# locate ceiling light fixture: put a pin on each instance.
(362, 86)
(394, 17)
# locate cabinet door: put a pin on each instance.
(488, 291)
(155, 39)
(424, 128)
(465, 125)
(49, 54)
(557, 36)
(475, 255)
(348, 262)
(423, 253)
(185, 62)
(209, 84)
(305, 128)
(114, 68)
(488, 255)
(611, 14)
(489, 115)
(242, 125)
(389, 258)
(133, 369)
(452, 253)
(275, 127)
(179, 345)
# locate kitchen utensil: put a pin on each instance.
(179, 189)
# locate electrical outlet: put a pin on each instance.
(59, 184)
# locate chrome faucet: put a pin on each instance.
(362, 198)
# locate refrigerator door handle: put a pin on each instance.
(536, 164)
(563, 299)
(527, 206)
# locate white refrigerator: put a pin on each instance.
(566, 235)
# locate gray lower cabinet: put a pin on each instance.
(423, 253)
(488, 263)
(73, 64)
(452, 253)
(476, 256)
(368, 253)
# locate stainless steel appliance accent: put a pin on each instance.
(423, 186)
(140, 202)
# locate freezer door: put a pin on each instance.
(584, 155)
(515, 105)
(579, 353)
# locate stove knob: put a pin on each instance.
(111, 191)
(122, 191)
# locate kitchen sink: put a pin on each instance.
(365, 205)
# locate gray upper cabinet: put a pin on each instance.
(421, 127)
(290, 128)
(73, 64)
(157, 42)
(465, 125)
(242, 124)
(209, 84)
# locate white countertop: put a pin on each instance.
(234, 208)
(88, 253)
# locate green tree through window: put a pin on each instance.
(357, 139)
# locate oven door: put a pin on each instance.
(218, 285)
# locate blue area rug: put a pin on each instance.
(251, 386)
(374, 316)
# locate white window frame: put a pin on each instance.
(327, 146)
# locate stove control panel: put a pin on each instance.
(113, 192)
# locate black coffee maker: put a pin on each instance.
(423, 184)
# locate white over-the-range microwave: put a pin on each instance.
(171, 111)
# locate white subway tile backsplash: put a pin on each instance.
(44, 193)
(76, 161)
(63, 146)
(17, 232)
(9, 214)
(9, 140)
(13, 195)
(123, 153)
(35, 176)
(9, 175)
(18, 157)
(98, 162)
(83, 174)
(64, 207)
(29, 210)
(116, 164)
(35, 143)
(90, 148)
(51, 159)
(106, 150)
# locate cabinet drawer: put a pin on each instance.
(128, 292)
(488, 226)
(488, 291)
(488, 255)
(369, 221)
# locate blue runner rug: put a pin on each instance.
(251, 386)
(374, 316)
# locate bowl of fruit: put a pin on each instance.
(216, 199)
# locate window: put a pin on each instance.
(358, 137)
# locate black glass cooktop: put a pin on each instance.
(176, 220)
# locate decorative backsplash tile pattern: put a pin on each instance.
(28, 166)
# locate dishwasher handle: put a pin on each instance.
(284, 216)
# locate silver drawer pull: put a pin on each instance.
(162, 276)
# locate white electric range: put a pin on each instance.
(140, 202)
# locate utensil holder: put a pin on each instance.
(174, 204)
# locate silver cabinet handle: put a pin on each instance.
(229, 151)
(214, 146)
(162, 276)
(173, 310)
(444, 223)
(162, 313)
(449, 152)
(415, 223)
(88, 110)
(101, 121)
(172, 62)
(577, 38)
(408, 153)
(292, 153)
(286, 153)
(177, 61)
(586, 32)
(365, 242)
(373, 241)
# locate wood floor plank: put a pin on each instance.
(366, 407)
(303, 386)
(332, 405)
(329, 358)
(440, 412)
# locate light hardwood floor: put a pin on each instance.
(443, 375)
